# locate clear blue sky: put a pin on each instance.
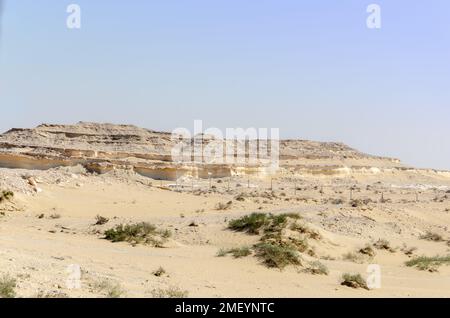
(311, 68)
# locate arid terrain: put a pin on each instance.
(109, 200)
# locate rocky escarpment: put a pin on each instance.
(103, 147)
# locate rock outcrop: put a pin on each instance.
(104, 147)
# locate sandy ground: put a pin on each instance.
(42, 234)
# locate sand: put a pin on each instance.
(42, 234)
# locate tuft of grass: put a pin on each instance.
(352, 257)
(101, 220)
(237, 252)
(110, 288)
(431, 236)
(51, 294)
(138, 233)
(254, 222)
(383, 244)
(55, 216)
(317, 268)
(353, 281)
(428, 263)
(222, 252)
(223, 206)
(159, 272)
(409, 251)
(277, 256)
(250, 223)
(171, 292)
(7, 287)
(6, 195)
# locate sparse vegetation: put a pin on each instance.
(171, 292)
(6, 195)
(276, 248)
(235, 252)
(409, 251)
(353, 281)
(431, 236)
(159, 272)
(51, 294)
(7, 287)
(101, 220)
(428, 263)
(110, 288)
(145, 233)
(223, 206)
(277, 256)
(55, 216)
(317, 268)
(250, 223)
(352, 257)
(383, 244)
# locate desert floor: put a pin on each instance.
(44, 232)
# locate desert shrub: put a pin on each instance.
(237, 252)
(240, 252)
(250, 223)
(51, 294)
(6, 195)
(431, 236)
(159, 272)
(138, 233)
(110, 288)
(408, 250)
(171, 292)
(367, 250)
(222, 252)
(7, 287)
(428, 263)
(304, 229)
(317, 268)
(383, 244)
(277, 256)
(101, 220)
(223, 206)
(353, 281)
(352, 257)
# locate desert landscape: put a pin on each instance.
(101, 210)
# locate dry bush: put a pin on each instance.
(353, 281)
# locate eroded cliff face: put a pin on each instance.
(104, 147)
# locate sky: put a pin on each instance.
(313, 69)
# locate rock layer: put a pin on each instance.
(104, 147)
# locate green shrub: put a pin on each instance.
(138, 233)
(428, 263)
(250, 223)
(277, 256)
(237, 252)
